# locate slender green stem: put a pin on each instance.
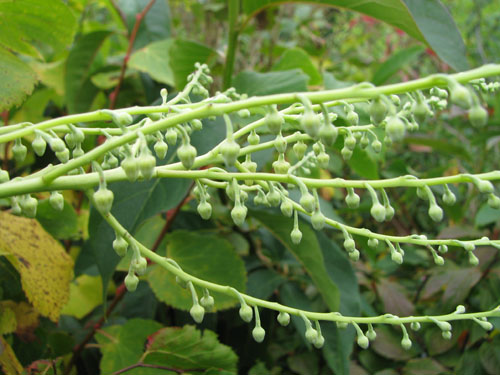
(357, 92)
(331, 316)
(35, 183)
(233, 13)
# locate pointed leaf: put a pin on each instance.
(80, 91)
(308, 252)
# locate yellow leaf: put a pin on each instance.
(45, 268)
(8, 322)
(8, 361)
(85, 294)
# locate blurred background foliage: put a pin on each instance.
(292, 47)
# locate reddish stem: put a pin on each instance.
(138, 20)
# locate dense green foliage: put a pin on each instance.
(254, 187)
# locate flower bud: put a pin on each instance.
(299, 149)
(230, 151)
(246, 313)
(186, 154)
(377, 110)
(283, 318)
(395, 128)
(296, 236)
(378, 212)
(310, 123)
(207, 302)
(258, 334)
(197, 312)
(131, 282)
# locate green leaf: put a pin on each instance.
(122, 346)
(51, 74)
(396, 62)
(339, 342)
(308, 252)
(487, 215)
(254, 84)
(80, 91)
(60, 224)
(489, 352)
(263, 282)
(427, 21)
(28, 23)
(85, 293)
(18, 80)
(154, 60)
(187, 348)
(8, 321)
(340, 270)
(470, 364)
(170, 61)
(108, 80)
(154, 26)
(423, 366)
(363, 164)
(439, 31)
(331, 83)
(184, 54)
(204, 255)
(297, 58)
(133, 203)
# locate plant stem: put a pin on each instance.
(233, 13)
(331, 316)
(78, 182)
(206, 109)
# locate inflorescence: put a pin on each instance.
(302, 125)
